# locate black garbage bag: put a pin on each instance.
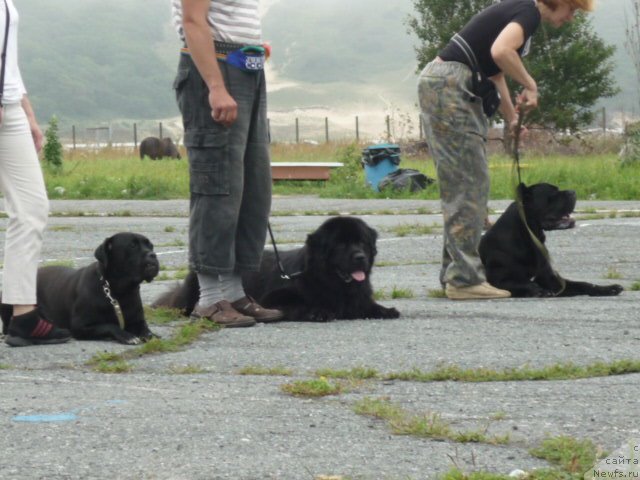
(405, 179)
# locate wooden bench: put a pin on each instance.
(302, 170)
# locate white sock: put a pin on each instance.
(210, 289)
(232, 286)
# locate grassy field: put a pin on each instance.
(113, 174)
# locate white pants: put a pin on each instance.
(26, 204)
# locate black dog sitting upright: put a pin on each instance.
(329, 277)
(75, 298)
(512, 259)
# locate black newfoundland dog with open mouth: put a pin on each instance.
(512, 259)
(329, 277)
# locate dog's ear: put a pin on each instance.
(373, 237)
(102, 252)
(314, 241)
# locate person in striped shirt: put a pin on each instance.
(221, 92)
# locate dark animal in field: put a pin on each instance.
(156, 148)
(330, 277)
(514, 262)
(75, 299)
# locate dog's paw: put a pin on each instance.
(127, 338)
(607, 290)
(386, 313)
(320, 316)
(148, 335)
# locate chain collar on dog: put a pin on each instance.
(283, 274)
(106, 288)
(519, 201)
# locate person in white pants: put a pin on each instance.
(25, 199)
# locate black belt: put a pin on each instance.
(227, 47)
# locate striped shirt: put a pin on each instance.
(236, 21)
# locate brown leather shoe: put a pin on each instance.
(223, 314)
(248, 306)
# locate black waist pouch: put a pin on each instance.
(484, 88)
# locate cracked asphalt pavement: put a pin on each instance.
(63, 420)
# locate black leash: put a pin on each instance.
(520, 203)
(4, 56)
(283, 274)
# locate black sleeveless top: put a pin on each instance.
(483, 29)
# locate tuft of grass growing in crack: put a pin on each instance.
(5, 366)
(186, 334)
(570, 455)
(438, 293)
(559, 371)
(273, 371)
(411, 229)
(613, 274)
(317, 387)
(631, 214)
(635, 286)
(356, 373)
(394, 294)
(187, 370)
(169, 229)
(161, 315)
(109, 362)
(401, 264)
(430, 425)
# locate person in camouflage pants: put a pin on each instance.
(456, 131)
(455, 124)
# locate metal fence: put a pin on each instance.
(282, 129)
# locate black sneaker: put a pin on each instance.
(31, 329)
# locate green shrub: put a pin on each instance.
(52, 150)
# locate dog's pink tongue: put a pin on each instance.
(358, 276)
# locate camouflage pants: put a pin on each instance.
(456, 130)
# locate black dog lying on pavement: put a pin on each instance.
(76, 299)
(513, 261)
(329, 277)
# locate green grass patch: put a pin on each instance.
(568, 454)
(635, 286)
(178, 242)
(356, 373)
(570, 458)
(161, 315)
(429, 425)
(119, 366)
(560, 371)
(613, 274)
(267, 371)
(317, 387)
(185, 335)
(412, 229)
(169, 229)
(114, 175)
(395, 293)
(187, 370)
(437, 293)
(5, 366)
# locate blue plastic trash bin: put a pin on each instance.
(378, 161)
